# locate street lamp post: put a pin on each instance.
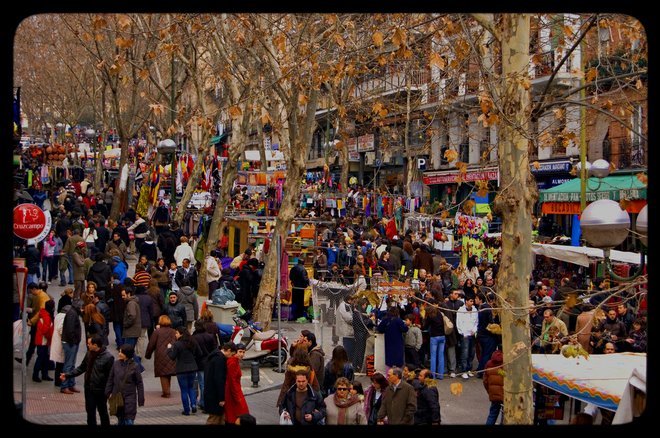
(168, 146)
(605, 225)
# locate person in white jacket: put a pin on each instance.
(213, 273)
(183, 251)
(467, 318)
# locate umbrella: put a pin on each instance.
(22, 194)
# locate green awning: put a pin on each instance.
(614, 187)
(218, 138)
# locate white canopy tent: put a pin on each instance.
(603, 380)
(580, 255)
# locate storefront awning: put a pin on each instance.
(579, 255)
(614, 187)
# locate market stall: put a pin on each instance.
(600, 380)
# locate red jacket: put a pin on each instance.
(235, 403)
(44, 328)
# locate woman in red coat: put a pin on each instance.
(235, 403)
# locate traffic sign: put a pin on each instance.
(31, 222)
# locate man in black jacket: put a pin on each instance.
(101, 274)
(96, 365)
(215, 377)
(428, 400)
(299, 280)
(71, 336)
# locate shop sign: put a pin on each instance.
(561, 208)
(351, 144)
(365, 143)
(354, 156)
(31, 222)
(452, 177)
(556, 167)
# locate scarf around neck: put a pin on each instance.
(343, 404)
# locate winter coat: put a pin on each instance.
(290, 379)
(494, 378)
(176, 313)
(185, 358)
(399, 406)
(299, 277)
(393, 328)
(467, 320)
(183, 278)
(45, 329)
(371, 405)
(149, 249)
(313, 404)
(235, 403)
(56, 349)
(163, 365)
(120, 268)
(79, 273)
(345, 320)
(162, 277)
(101, 274)
(451, 339)
(184, 251)
(207, 343)
(188, 298)
(32, 259)
(215, 378)
(317, 358)
(353, 410)
(132, 390)
(147, 312)
(132, 327)
(119, 245)
(98, 378)
(428, 402)
(71, 327)
(116, 303)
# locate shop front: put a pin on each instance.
(445, 187)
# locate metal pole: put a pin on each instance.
(24, 362)
(172, 115)
(278, 248)
(583, 139)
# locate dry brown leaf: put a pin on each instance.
(114, 69)
(382, 60)
(558, 112)
(377, 38)
(124, 21)
(377, 106)
(493, 119)
(339, 40)
(399, 37)
(235, 111)
(339, 145)
(157, 109)
(87, 37)
(280, 42)
(482, 188)
(265, 118)
(536, 165)
(383, 112)
(591, 74)
(451, 155)
(643, 178)
(302, 99)
(444, 214)
(638, 84)
(99, 22)
(98, 37)
(437, 60)
(151, 54)
(456, 389)
(537, 59)
(468, 207)
(144, 74)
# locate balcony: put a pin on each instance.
(391, 83)
(541, 66)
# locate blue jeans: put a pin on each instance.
(494, 412)
(125, 421)
(187, 387)
(118, 329)
(200, 381)
(437, 356)
(32, 278)
(467, 353)
(70, 258)
(70, 353)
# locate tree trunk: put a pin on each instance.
(120, 195)
(514, 202)
(345, 166)
(193, 181)
(300, 140)
(98, 172)
(410, 161)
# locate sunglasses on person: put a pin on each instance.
(342, 389)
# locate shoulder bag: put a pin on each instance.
(449, 326)
(116, 400)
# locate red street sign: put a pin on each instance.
(30, 222)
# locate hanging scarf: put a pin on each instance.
(342, 405)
